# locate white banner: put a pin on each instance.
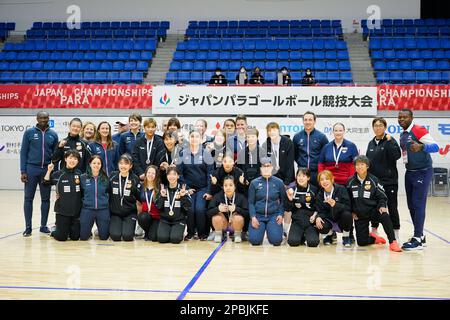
(264, 100)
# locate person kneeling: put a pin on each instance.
(369, 203)
(302, 203)
(228, 210)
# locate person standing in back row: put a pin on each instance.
(38, 146)
(416, 144)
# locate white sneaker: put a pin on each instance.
(218, 236)
(237, 238)
(139, 231)
(211, 236)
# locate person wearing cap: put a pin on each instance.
(308, 78)
(266, 199)
(129, 138)
(122, 126)
(218, 79)
(369, 203)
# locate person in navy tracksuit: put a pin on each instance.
(196, 166)
(38, 146)
(129, 138)
(308, 144)
(105, 147)
(266, 199)
(416, 144)
(95, 204)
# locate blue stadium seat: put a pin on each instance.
(409, 77)
(435, 77)
(422, 77)
(396, 77)
(171, 77)
(345, 77)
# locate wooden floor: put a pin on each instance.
(42, 268)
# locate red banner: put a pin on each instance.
(76, 96)
(416, 97)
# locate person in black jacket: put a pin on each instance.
(383, 152)
(73, 142)
(218, 79)
(308, 78)
(301, 202)
(125, 191)
(333, 209)
(68, 203)
(257, 77)
(249, 159)
(147, 148)
(218, 147)
(228, 211)
(174, 204)
(228, 169)
(287, 79)
(368, 204)
(169, 155)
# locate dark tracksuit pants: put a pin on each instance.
(66, 226)
(149, 225)
(392, 202)
(197, 214)
(416, 185)
(362, 228)
(171, 232)
(344, 221)
(87, 218)
(35, 178)
(301, 230)
(122, 227)
(269, 223)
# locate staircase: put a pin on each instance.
(163, 57)
(358, 50)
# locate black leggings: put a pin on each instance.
(122, 228)
(362, 228)
(344, 220)
(392, 202)
(66, 227)
(168, 232)
(299, 232)
(149, 225)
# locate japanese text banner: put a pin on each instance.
(260, 100)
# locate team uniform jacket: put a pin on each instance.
(383, 160)
(196, 170)
(73, 143)
(130, 192)
(286, 159)
(95, 192)
(308, 148)
(240, 202)
(220, 174)
(154, 211)
(266, 197)
(37, 148)
(249, 162)
(340, 195)
(140, 154)
(127, 141)
(109, 157)
(303, 205)
(180, 208)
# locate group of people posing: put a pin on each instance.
(177, 187)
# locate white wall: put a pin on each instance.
(179, 12)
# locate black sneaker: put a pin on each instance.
(27, 232)
(328, 240)
(346, 241)
(44, 230)
(244, 236)
(412, 245)
(203, 238)
(187, 238)
(424, 241)
(334, 238)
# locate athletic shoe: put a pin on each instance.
(328, 240)
(187, 238)
(211, 236)
(346, 242)
(203, 238)
(139, 231)
(378, 239)
(218, 237)
(395, 247)
(424, 241)
(27, 232)
(412, 245)
(334, 237)
(244, 235)
(44, 230)
(237, 238)
(195, 237)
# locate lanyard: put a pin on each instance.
(149, 151)
(307, 191)
(171, 204)
(336, 158)
(120, 188)
(275, 152)
(232, 200)
(327, 195)
(174, 152)
(149, 203)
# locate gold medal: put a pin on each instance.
(171, 213)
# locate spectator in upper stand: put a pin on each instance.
(218, 78)
(308, 78)
(122, 126)
(287, 80)
(257, 77)
(243, 72)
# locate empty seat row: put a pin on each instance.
(412, 77)
(77, 55)
(75, 66)
(105, 25)
(412, 65)
(81, 45)
(71, 77)
(271, 65)
(409, 43)
(410, 31)
(264, 23)
(262, 33)
(410, 22)
(270, 77)
(261, 45)
(260, 55)
(410, 54)
(96, 33)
